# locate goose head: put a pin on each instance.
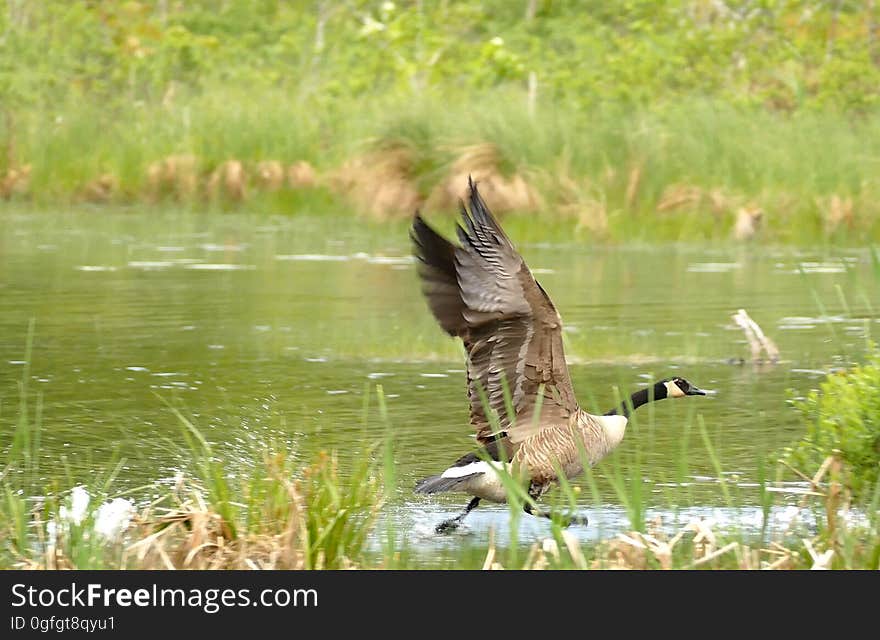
(667, 388)
(676, 388)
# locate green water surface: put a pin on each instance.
(275, 327)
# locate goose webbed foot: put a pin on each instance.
(581, 521)
(448, 526)
(567, 520)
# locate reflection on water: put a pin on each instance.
(274, 328)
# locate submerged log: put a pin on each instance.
(758, 341)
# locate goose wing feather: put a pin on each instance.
(483, 292)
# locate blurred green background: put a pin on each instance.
(657, 120)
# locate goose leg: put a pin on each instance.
(535, 492)
(453, 523)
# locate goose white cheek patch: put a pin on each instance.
(673, 390)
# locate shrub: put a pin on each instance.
(843, 416)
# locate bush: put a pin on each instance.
(843, 416)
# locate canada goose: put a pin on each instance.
(483, 292)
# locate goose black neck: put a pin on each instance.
(639, 398)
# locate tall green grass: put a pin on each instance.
(788, 164)
(323, 514)
(268, 505)
(30, 506)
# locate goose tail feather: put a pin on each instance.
(439, 484)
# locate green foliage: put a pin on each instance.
(788, 55)
(326, 514)
(843, 416)
(339, 512)
(771, 102)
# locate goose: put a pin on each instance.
(482, 292)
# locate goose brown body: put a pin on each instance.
(484, 293)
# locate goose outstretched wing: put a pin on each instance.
(483, 292)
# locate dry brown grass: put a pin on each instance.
(192, 536)
(183, 531)
(16, 182)
(269, 175)
(379, 183)
(749, 220)
(228, 181)
(301, 175)
(635, 550)
(680, 196)
(101, 189)
(176, 176)
(592, 215)
(694, 546)
(721, 202)
(288, 518)
(502, 193)
(632, 184)
(718, 201)
(577, 199)
(837, 212)
(292, 523)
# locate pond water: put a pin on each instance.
(275, 328)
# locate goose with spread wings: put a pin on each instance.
(482, 292)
